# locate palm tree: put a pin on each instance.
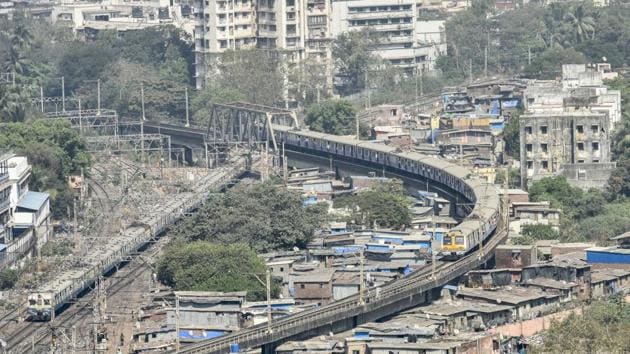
(12, 104)
(20, 40)
(582, 24)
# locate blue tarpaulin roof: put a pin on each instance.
(33, 200)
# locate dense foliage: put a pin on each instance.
(8, 278)
(602, 328)
(619, 182)
(575, 203)
(532, 233)
(207, 266)
(384, 205)
(332, 117)
(534, 39)
(54, 150)
(265, 216)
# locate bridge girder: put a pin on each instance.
(246, 122)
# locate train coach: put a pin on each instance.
(462, 239)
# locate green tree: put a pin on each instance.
(385, 205)
(352, 59)
(511, 136)
(574, 202)
(332, 117)
(583, 25)
(8, 278)
(602, 328)
(19, 39)
(203, 100)
(258, 74)
(206, 266)
(265, 216)
(54, 150)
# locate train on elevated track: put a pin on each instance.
(461, 239)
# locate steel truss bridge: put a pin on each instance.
(244, 122)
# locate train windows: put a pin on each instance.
(447, 240)
(32, 302)
(47, 302)
(459, 240)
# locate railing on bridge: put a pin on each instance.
(399, 290)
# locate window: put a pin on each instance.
(580, 161)
(301, 286)
(530, 164)
(290, 2)
(528, 130)
(321, 286)
(595, 146)
(544, 148)
(459, 240)
(580, 129)
(594, 128)
(543, 129)
(595, 161)
(355, 351)
(580, 146)
(528, 147)
(31, 302)
(282, 269)
(545, 164)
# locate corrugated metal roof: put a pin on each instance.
(33, 200)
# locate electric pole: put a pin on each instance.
(470, 70)
(187, 119)
(98, 96)
(268, 284)
(361, 282)
(63, 94)
(485, 61)
(176, 323)
(142, 123)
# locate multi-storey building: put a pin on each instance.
(567, 128)
(403, 41)
(24, 215)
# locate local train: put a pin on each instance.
(460, 240)
(49, 298)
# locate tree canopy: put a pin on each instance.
(207, 266)
(332, 117)
(602, 328)
(384, 205)
(55, 151)
(265, 216)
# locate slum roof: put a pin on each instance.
(512, 295)
(613, 249)
(399, 326)
(600, 275)
(550, 283)
(346, 278)
(323, 276)
(515, 247)
(573, 259)
(455, 307)
(623, 236)
(33, 200)
(308, 345)
(412, 346)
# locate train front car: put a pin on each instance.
(40, 306)
(453, 245)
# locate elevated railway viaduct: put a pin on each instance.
(415, 289)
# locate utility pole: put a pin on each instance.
(98, 96)
(485, 61)
(41, 97)
(433, 266)
(63, 94)
(142, 123)
(470, 70)
(529, 55)
(268, 284)
(80, 121)
(176, 323)
(356, 123)
(187, 119)
(361, 281)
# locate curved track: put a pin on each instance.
(399, 292)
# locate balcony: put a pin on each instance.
(378, 15)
